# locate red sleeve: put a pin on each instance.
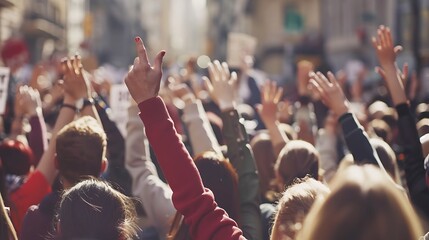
(205, 219)
(30, 193)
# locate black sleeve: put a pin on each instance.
(357, 140)
(414, 159)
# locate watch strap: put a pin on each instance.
(65, 105)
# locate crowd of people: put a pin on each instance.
(222, 156)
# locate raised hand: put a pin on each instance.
(304, 68)
(29, 99)
(386, 54)
(222, 84)
(76, 82)
(143, 80)
(181, 91)
(331, 93)
(271, 96)
(383, 45)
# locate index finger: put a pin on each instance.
(141, 51)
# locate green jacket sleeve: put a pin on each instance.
(241, 157)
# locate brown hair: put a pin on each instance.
(381, 129)
(294, 206)
(297, 160)
(220, 177)
(265, 160)
(387, 157)
(363, 205)
(93, 209)
(81, 147)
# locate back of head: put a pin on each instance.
(94, 210)
(297, 160)
(265, 159)
(387, 158)
(81, 147)
(363, 205)
(16, 157)
(220, 177)
(294, 206)
(423, 127)
(381, 129)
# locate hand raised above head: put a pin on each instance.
(383, 45)
(221, 85)
(331, 93)
(143, 80)
(271, 97)
(75, 83)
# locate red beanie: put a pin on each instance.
(16, 157)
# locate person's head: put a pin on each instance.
(363, 205)
(220, 177)
(423, 127)
(387, 157)
(14, 53)
(265, 159)
(16, 157)
(381, 129)
(296, 160)
(294, 206)
(81, 150)
(92, 209)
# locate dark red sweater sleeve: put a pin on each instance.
(196, 203)
(37, 139)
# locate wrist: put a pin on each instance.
(188, 98)
(226, 105)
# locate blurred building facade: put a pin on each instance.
(40, 23)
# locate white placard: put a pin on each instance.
(119, 103)
(239, 45)
(4, 82)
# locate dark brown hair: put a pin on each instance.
(220, 177)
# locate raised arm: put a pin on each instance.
(268, 110)
(356, 138)
(154, 194)
(194, 116)
(191, 199)
(239, 152)
(414, 159)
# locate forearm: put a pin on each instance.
(394, 84)
(37, 138)
(357, 141)
(189, 196)
(154, 194)
(200, 132)
(278, 137)
(46, 165)
(241, 157)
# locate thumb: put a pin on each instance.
(397, 49)
(158, 60)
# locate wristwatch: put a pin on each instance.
(84, 102)
(80, 104)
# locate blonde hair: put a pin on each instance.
(294, 206)
(364, 205)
